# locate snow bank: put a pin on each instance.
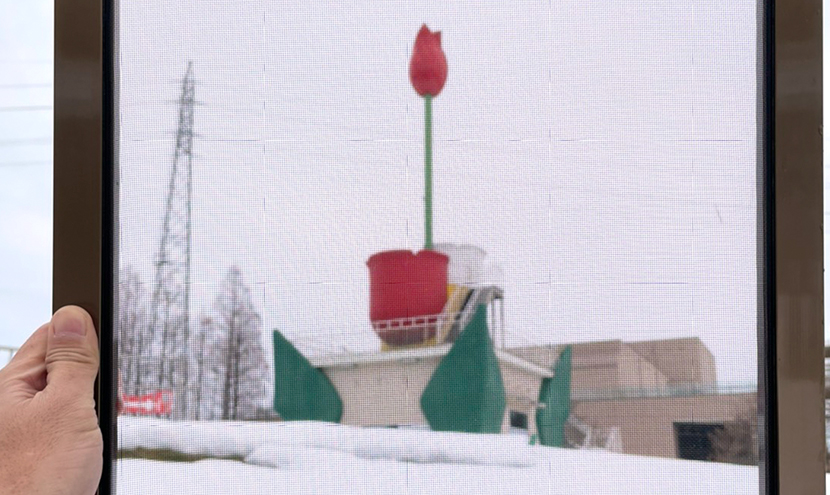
(266, 443)
(322, 459)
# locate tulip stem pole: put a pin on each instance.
(428, 170)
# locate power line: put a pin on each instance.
(25, 164)
(25, 85)
(26, 108)
(30, 61)
(26, 141)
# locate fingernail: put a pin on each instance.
(69, 323)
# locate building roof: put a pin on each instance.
(616, 364)
(418, 353)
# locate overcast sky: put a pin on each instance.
(26, 56)
(606, 225)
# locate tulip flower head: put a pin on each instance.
(428, 67)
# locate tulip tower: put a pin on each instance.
(408, 290)
(412, 305)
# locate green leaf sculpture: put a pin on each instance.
(466, 392)
(555, 402)
(301, 391)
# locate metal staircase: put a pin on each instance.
(580, 435)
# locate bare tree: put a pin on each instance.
(208, 354)
(225, 359)
(132, 337)
(241, 368)
(204, 323)
(737, 441)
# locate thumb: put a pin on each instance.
(71, 353)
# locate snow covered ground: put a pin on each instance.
(320, 459)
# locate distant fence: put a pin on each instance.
(664, 392)
(6, 354)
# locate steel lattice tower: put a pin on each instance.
(170, 310)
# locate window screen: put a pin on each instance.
(419, 247)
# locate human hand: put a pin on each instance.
(49, 436)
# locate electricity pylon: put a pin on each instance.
(170, 310)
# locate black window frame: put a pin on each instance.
(790, 245)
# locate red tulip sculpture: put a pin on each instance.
(408, 290)
(428, 73)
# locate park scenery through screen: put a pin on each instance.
(437, 247)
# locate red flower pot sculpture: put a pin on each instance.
(407, 292)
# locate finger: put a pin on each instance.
(71, 353)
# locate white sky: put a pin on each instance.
(490, 125)
(26, 54)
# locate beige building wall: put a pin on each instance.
(608, 365)
(593, 365)
(629, 365)
(383, 394)
(646, 426)
(635, 372)
(682, 361)
(389, 393)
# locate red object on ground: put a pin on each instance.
(405, 287)
(428, 67)
(158, 403)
